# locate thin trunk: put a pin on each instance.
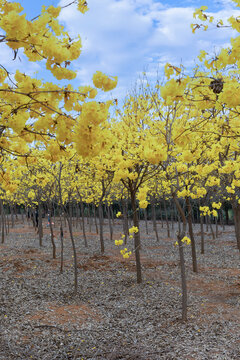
(145, 219)
(70, 231)
(202, 231)
(110, 222)
(70, 211)
(83, 224)
(222, 219)
(50, 210)
(74, 255)
(79, 215)
(226, 213)
(137, 243)
(112, 215)
(61, 239)
(12, 217)
(161, 213)
(54, 216)
(166, 217)
(154, 218)
(236, 217)
(183, 278)
(100, 213)
(172, 218)
(216, 223)
(95, 219)
(90, 219)
(211, 228)
(190, 228)
(52, 237)
(206, 222)
(7, 225)
(2, 221)
(40, 227)
(181, 256)
(125, 219)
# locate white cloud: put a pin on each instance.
(125, 37)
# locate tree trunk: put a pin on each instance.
(226, 212)
(154, 218)
(2, 221)
(83, 225)
(172, 218)
(51, 231)
(161, 214)
(12, 217)
(222, 219)
(95, 219)
(136, 238)
(181, 256)
(74, 254)
(145, 219)
(236, 217)
(216, 223)
(61, 238)
(211, 228)
(100, 213)
(183, 278)
(40, 227)
(110, 222)
(190, 228)
(166, 217)
(125, 219)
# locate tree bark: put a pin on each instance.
(83, 224)
(110, 222)
(136, 238)
(95, 219)
(52, 234)
(125, 219)
(190, 228)
(100, 213)
(154, 218)
(166, 217)
(181, 256)
(40, 227)
(236, 217)
(145, 219)
(2, 221)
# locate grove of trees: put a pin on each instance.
(176, 143)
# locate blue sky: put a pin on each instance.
(127, 37)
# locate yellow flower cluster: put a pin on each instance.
(82, 6)
(216, 205)
(125, 253)
(118, 242)
(213, 181)
(41, 38)
(173, 90)
(141, 196)
(230, 189)
(199, 13)
(206, 211)
(102, 81)
(169, 70)
(185, 240)
(118, 214)
(133, 229)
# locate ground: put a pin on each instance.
(112, 317)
